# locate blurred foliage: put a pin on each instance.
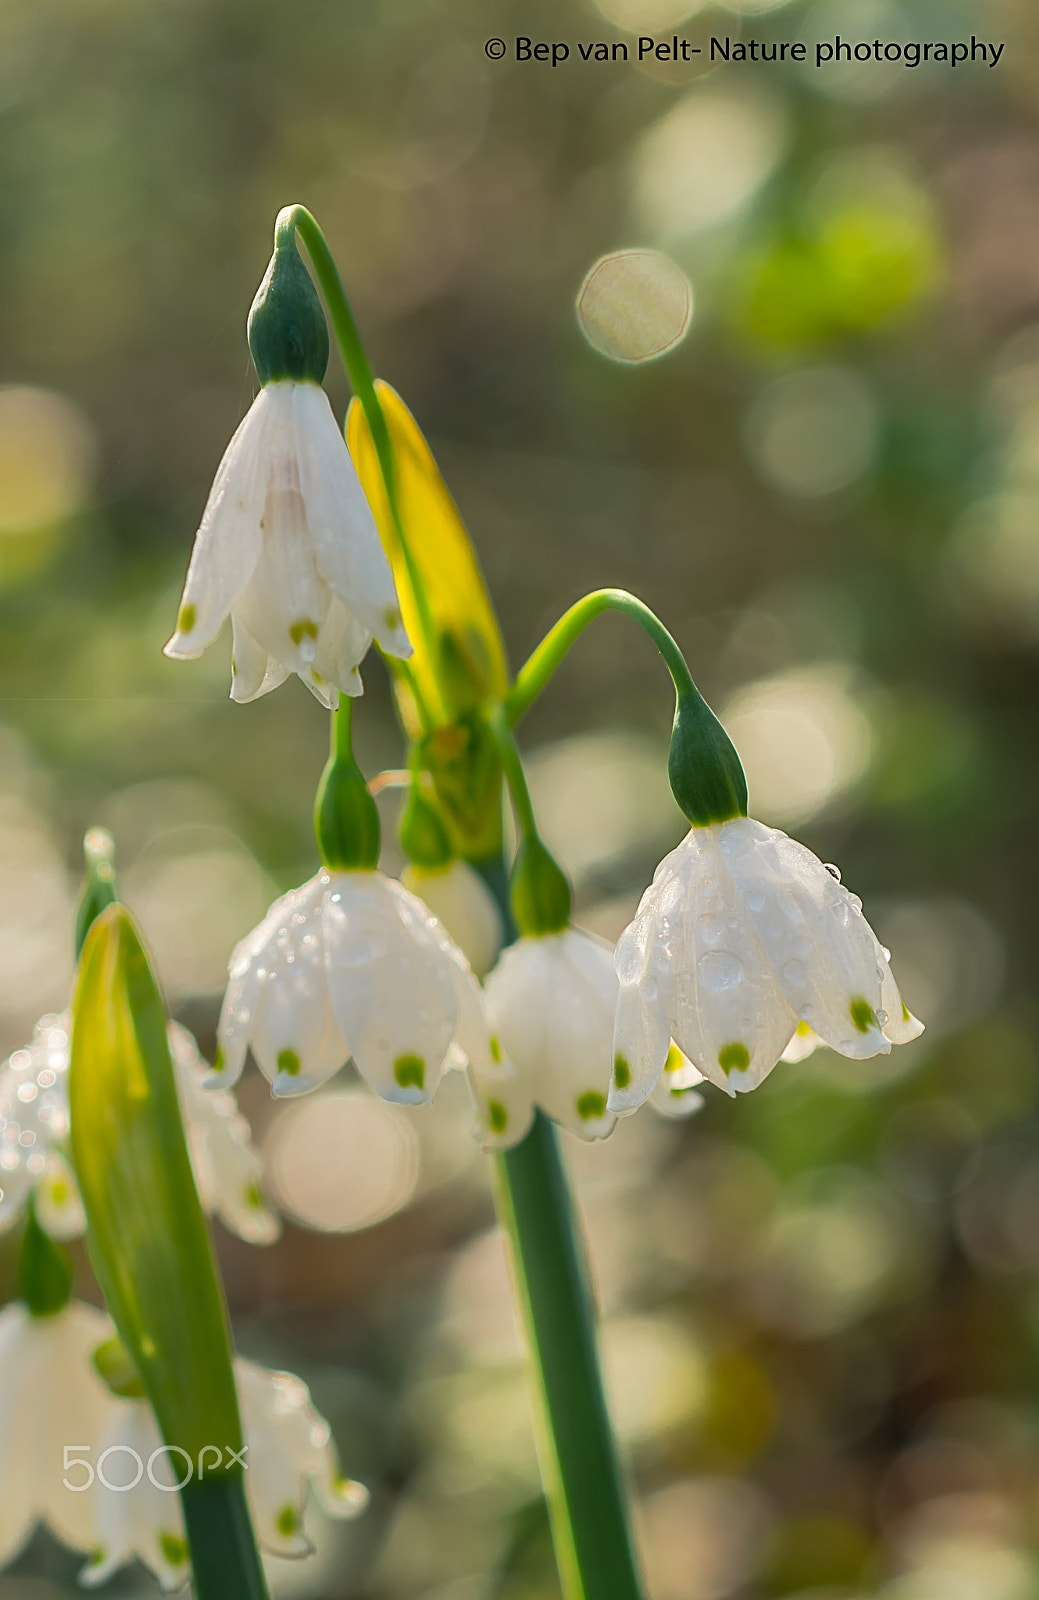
(820, 1300)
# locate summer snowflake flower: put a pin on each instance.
(288, 547)
(34, 1126)
(50, 1396)
(743, 936)
(351, 964)
(289, 1455)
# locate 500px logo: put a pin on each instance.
(78, 1455)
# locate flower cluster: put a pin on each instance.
(34, 1126)
(89, 1463)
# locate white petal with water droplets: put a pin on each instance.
(392, 989)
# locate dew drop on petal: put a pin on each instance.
(794, 973)
(755, 900)
(839, 911)
(788, 905)
(649, 989)
(719, 971)
(882, 1017)
(709, 930)
(835, 872)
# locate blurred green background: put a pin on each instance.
(820, 1301)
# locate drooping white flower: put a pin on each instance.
(742, 936)
(290, 1455)
(464, 906)
(288, 547)
(34, 1126)
(550, 1003)
(351, 964)
(51, 1397)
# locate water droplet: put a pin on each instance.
(795, 973)
(788, 905)
(649, 989)
(885, 952)
(882, 1017)
(839, 911)
(719, 971)
(357, 952)
(709, 930)
(855, 903)
(835, 872)
(755, 900)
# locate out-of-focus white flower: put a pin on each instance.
(351, 964)
(677, 1093)
(289, 1456)
(50, 1397)
(288, 547)
(550, 1003)
(743, 935)
(463, 904)
(34, 1126)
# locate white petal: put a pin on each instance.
(346, 541)
(504, 1105)
(253, 671)
(899, 1024)
(64, 1402)
(823, 952)
(342, 645)
(462, 902)
(642, 1021)
(227, 1167)
(137, 1517)
(727, 1012)
(286, 602)
(59, 1208)
(550, 1002)
(677, 1095)
(802, 1045)
(391, 984)
(227, 544)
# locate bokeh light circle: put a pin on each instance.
(635, 305)
(342, 1161)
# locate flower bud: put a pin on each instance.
(706, 774)
(288, 335)
(539, 891)
(99, 885)
(423, 836)
(44, 1273)
(346, 819)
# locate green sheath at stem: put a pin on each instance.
(586, 1497)
(224, 1559)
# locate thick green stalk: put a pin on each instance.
(224, 1560)
(587, 1502)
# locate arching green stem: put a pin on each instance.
(297, 219)
(536, 671)
(706, 776)
(512, 766)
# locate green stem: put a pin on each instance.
(539, 667)
(512, 766)
(587, 1503)
(297, 219)
(224, 1559)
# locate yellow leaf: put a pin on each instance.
(462, 660)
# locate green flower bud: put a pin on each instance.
(346, 818)
(539, 891)
(423, 835)
(706, 774)
(115, 1368)
(288, 335)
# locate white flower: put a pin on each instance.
(289, 548)
(289, 1455)
(742, 936)
(50, 1397)
(550, 1003)
(464, 906)
(351, 964)
(34, 1126)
